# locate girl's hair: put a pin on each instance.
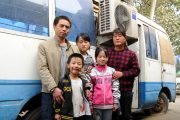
(84, 36)
(99, 49)
(75, 55)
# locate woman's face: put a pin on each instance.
(83, 45)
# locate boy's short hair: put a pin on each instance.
(120, 30)
(75, 55)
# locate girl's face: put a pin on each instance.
(83, 45)
(75, 65)
(101, 58)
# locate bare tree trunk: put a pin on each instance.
(153, 7)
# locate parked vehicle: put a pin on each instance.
(178, 74)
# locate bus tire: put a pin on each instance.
(35, 114)
(147, 112)
(162, 104)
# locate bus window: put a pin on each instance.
(167, 53)
(81, 14)
(151, 43)
(29, 16)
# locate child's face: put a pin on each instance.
(75, 65)
(83, 45)
(101, 58)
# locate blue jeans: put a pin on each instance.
(102, 114)
(47, 111)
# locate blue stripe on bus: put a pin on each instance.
(149, 92)
(14, 94)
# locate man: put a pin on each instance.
(126, 64)
(52, 58)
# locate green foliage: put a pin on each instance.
(167, 14)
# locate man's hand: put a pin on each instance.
(57, 95)
(57, 117)
(117, 74)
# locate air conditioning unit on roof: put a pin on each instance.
(115, 13)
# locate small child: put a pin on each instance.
(73, 87)
(83, 43)
(105, 89)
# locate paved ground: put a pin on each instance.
(172, 114)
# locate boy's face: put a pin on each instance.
(75, 65)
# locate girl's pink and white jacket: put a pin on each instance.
(105, 89)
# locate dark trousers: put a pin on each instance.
(85, 117)
(47, 111)
(126, 104)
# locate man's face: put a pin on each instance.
(62, 28)
(75, 65)
(118, 39)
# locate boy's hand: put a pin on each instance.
(57, 95)
(57, 117)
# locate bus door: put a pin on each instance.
(150, 77)
(136, 48)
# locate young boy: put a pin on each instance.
(73, 87)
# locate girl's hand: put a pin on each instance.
(57, 117)
(115, 106)
(91, 108)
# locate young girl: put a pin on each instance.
(105, 89)
(83, 43)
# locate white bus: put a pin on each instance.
(24, 24)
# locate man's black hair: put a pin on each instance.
(56, 20)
